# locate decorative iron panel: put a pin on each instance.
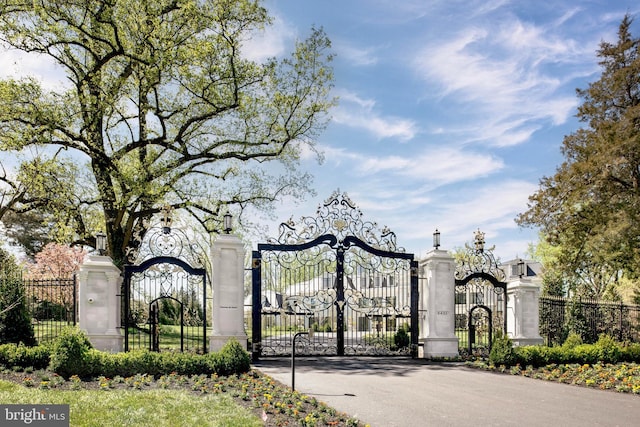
(52, 304)
(480, 299)
(164, 296)
(333, 275)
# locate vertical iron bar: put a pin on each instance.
(181, 326)
(504, 310)
(340, 300)
(125, 296)
(75, 299)
(256, 310)
(621, 310)
(204, 313)
(414, 308)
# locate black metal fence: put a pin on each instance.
(52, 304)
(589, 318)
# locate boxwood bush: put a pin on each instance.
(72, 354)
(22, 356)
(605, 350)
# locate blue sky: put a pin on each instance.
(450, 111)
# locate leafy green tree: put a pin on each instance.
(164, 108)
(588, 211)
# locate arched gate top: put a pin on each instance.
(338, 216)
(479, 262)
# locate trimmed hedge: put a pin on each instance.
(605, 350)
(72, 354)
(22, 356)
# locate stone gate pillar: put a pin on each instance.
(437, 304)
(523, 295)
(227, 255)
(99, 302)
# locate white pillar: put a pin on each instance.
(227, 255)
(437, 302)
(99, 303)
(523, 296)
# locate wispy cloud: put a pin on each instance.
(438, 166)
(360, 113)
(426, 169)
(502, 75)
(355, 56)
(271, 42)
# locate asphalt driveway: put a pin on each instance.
(405, 392)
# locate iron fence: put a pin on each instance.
(560, 316)
(52, 304)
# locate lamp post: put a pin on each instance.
(227, 219)
(436, 239)
(521, 267)
(101, 243)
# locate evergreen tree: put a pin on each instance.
(15, 320)
(589, 210)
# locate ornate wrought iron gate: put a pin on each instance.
(480, 299)
(332, 274)
(164, 297)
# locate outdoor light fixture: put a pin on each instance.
(520, 268)
(436, 239)
(166, 219)
(101, 243)
(227, 223)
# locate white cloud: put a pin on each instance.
(354, 55)
(439, 166)
(18, 64)
(359, 113)
(500, 77)
(271, 42)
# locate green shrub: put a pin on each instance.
(630, 352)
(401, 338)
(22, 356)
(608, 349)
(584, 353)
(572, 341)
(15, 319)
(70, 354)
(502, 352)
(232, 359)
(530, 355)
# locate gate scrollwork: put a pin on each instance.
(339, 275)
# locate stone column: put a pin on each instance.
(523, 311)
(99, 303)
(437, 302)
(227, 255)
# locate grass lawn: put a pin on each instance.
(155, 407)
(250, 399)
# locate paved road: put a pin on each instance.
(407, 393)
